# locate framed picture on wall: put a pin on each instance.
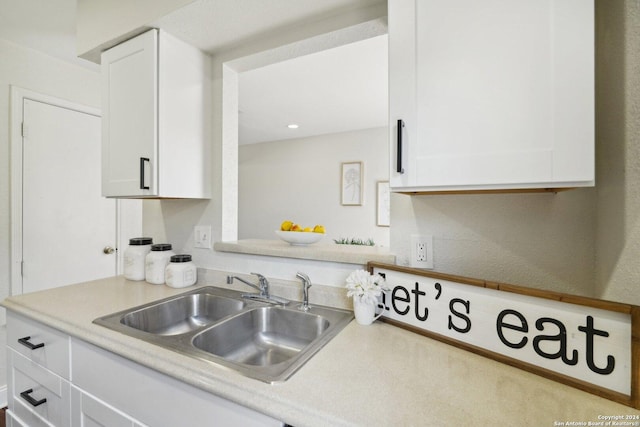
(351, 181)
(384, 204)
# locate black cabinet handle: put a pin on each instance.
(25, 342)
(399, 167)
(142, 161)
(26, 395)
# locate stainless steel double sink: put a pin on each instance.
(260, 340)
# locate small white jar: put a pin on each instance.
(156, 262)
(180, 272)
(134, 257)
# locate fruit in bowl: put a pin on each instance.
(300, 237)
(295, 234)
(286, 225)
(292, 226)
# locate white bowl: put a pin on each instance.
(299, 237)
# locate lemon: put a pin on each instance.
(307, 229)
(319, 229)
(286, 225)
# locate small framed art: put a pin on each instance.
(351, 181)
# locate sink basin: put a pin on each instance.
(182, 314)
(255, 338)
(263, 336)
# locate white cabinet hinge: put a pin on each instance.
(24, 130)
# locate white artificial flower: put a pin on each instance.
(365, 286)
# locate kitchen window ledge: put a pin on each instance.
(349, 254)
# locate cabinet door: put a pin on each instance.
(12, 421)
(151, 397)
(494, 94)
(88, 411)
(129, 117)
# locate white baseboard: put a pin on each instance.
(3, 396)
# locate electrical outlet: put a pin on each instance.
(202, 236)
(421, 251)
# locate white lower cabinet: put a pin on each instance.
(150, 397)
(12, 421)
(37, 396)
(67, 382)
(41, 344)
(37, 374)
(89, 411)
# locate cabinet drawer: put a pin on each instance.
(25, 375)
(12, 421)
(52, 355)
(87, 411)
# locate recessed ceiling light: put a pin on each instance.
(293, 126)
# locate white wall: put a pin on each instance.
(299, 179)
(583, 241)
(175, 219)
(618, 149)
(32, 70)
(100, 22)
(537, 240)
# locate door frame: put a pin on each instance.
(124, 228)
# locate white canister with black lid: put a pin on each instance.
(180, 272)
(134, 257)
(156, 261)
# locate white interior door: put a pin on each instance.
(66, 224)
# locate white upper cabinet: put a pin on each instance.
(493, 94)
(155, 135)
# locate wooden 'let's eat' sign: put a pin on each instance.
(590, 344)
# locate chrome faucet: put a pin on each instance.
(306, 284)
(262, 287)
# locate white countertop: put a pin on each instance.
(349, 254)
(374, 375)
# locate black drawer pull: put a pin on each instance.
(400, 127)
(26, 395)
(25, 342)
(143, 160)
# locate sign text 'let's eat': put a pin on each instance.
(586, 343)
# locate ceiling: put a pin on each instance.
(46, 26)
(219, 25)
(336, 90)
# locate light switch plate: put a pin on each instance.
(202, 236)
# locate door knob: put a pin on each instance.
(108, 250)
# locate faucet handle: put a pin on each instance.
(261, 278)
(306, 284)
(263, 283)
(305, 279)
